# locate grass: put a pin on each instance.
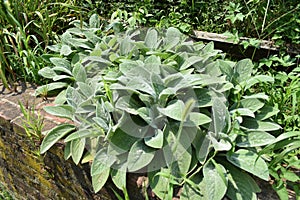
(4, 194)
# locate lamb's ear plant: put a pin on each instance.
(159, 103)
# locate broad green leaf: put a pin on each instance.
(172, 37)
(85, 89)
(139, 156)
(220, 118)
(243, 112)
(256, 125)
(79, 73)
(204, 97)
(122, 140)
(255, 139)
(202, 144)
(258, 79)
(94, 21)
(250, 162)
(126, 46)
(98, 59)
(85, 133)
(214, 181)
(241, 186)
(62, 69)
(174, 110)
(257, 96)
(45, 89)
(252, 104)
(190, 61)
(152, 64)
(177, 153)
(155, 141)
(77, 148)
(197, 119)
(151, 38)
(60, 99)
(99, 180)
(118, 176)
(102, 161)
(226, 68)
(266, 112)
(64, 111)
(67, 151)
(54, 135)
(243, 70)
(47, 72)
(60, 62)
(65, 50)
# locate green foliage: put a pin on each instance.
(5, 195)
(157, 102)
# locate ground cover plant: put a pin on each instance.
(159, 103)
(186, 90)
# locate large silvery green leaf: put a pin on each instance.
(64, 111)
(255, 139)
(45, 89)
(102, 161)
(220, 118)
(119, 178)
(190, 61)
(65, 50)
(257, 125)
(250, 162)
(214, 183)
(241, 186)
(121, 140)
(177, 153)
(266, 112)
(196, 119)
(252, 104)
(60, 62)
(77, 149)
(139, 156)
(155, 141)
(202, 144)
(47, 72)
(54, 135)
(172, 37)
(243, 70)
(174, 110)
(99, 180)
(151, 38)
(79, 73)
(126, 46)
(226, 68)
(152, 64)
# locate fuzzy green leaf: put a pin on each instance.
(243, 70)
(155, 141)
(241, 186)
(256, 125)
(255, 139)
(54, 135)
(139, 156)
(214, 181)
(77, 148)
(99, 180)
(250, 162)
(64, 111)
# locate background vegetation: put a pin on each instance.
(32, 33)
